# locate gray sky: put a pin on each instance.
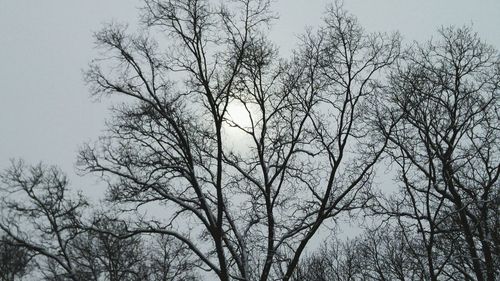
(45, 109)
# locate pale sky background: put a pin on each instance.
(45, 109)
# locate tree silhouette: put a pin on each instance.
(247, 213)
(39, 214)
(14, 260)
(443, 98)
(224, 160)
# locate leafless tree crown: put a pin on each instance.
(242, 200)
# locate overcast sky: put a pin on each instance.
(45, 109)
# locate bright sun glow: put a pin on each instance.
(238, 114)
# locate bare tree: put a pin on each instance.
(334, 260)
(113, 253)
(245, 213)
(386, 254)
(242, 197)
(40, 216)
(14, 260)
(444, 101)
(103, 255)
(170, 260)
(46, 227)
(380, 254)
